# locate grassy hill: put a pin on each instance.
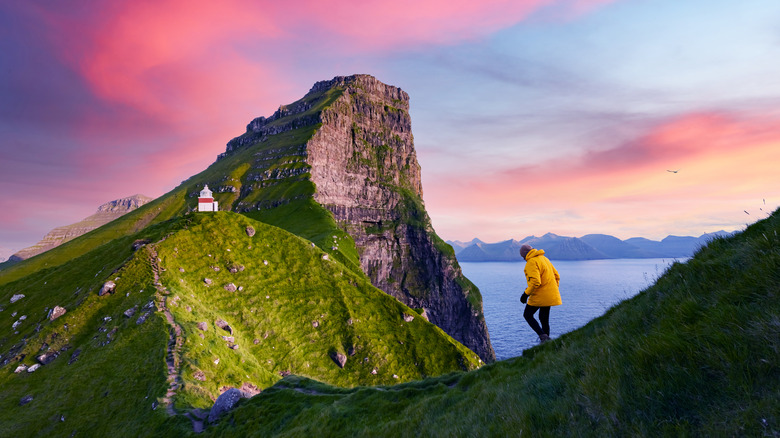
(696, 354)
(294, 310)
(285, 201)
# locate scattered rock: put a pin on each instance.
(256, 341)
(75, 356)
(215, 268)
(221, 323)
(224, 404)
(408, 318)
(424, 314)
(16, 297)
(17, 323)
(339, 358)
(188, 308)
(130, 312)
(395, 376)
(284, 373)
(198, 375)
(240, 288)
(315, 324)
(250, 231)
(207, 281)
(142, 319)
(216, 361)
(148, 306)
(325, 257)
(20, 368)
(33, 367)
(230, 287)
(26, 399)
(234, 346)
(373, 371)
(265, 262)
(181, 269)
(202, 326)
(139, 243)
(229, 338)
(47, 358)
(108, 287)
(249, 390)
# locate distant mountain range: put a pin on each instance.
(5, 253)
(589, 247)
(56, 237)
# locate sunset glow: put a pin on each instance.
(532, 116)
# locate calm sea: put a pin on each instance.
(588, 289)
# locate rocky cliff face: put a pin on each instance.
(361, 159)
(105, 214)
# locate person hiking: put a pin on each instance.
(542, 291)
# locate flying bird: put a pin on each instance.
(746, 212)
(673, 171)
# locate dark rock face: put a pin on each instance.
(365, 167)
(363, 163)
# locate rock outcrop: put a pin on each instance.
(105, 214)
(362, 160)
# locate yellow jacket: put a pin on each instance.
(543, 280)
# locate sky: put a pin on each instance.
(529, 116)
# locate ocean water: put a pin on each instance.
(588, 289)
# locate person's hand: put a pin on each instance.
(524, 298)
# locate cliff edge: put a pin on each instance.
(362, 161)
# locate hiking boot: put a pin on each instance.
(544, 338)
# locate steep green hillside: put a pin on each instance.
(289, 306)
(283, 200)
(696, 354)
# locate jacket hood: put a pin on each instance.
(533, 253)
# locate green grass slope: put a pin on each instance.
(696, 354)
(266, 180)
(294, 309)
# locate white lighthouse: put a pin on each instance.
(206, 201)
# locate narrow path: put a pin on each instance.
(175, 342)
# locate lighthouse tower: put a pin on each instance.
(206, 201)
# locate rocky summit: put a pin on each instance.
(362, 161)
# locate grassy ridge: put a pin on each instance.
(294, 309)
(232, 170)
(696, 354)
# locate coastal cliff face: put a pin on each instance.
(362, 162)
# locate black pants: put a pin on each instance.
(544, 317)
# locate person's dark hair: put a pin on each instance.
(525, 249)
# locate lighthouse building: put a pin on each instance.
(206, 200)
